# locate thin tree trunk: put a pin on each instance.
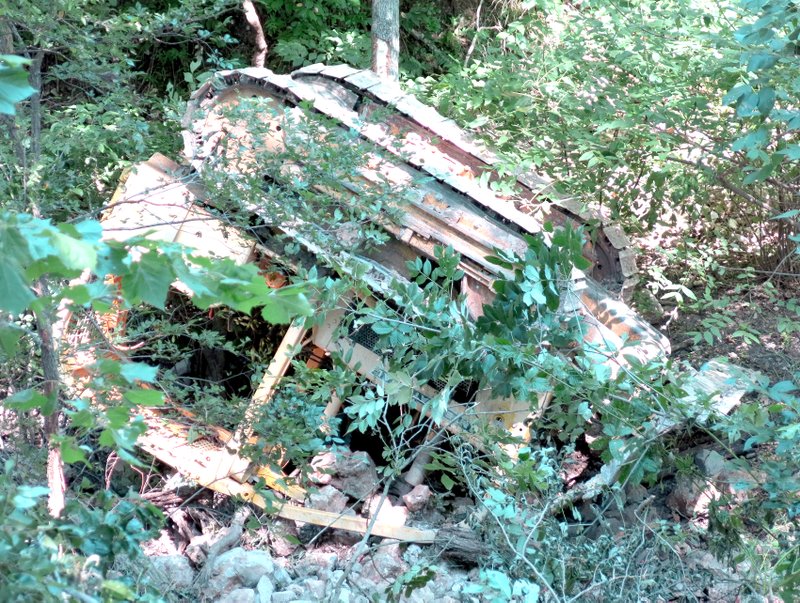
(386, 39)
(56, 480)
(260, 53)
(52, 386)
(36, 106)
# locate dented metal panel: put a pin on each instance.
(156, 199)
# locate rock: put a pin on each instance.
(239, 568)
(346, 537)
(691, 496)
(388, 514)
(327, 498)
(283, 596)
(738, 483)
(239, 595)
(462, 508)
(281, 577)
(355, 474)
(384, 566)
(647, 305)
(424, 594)
(314, 588)
(171, 572)
(413, 554)
(198, 547)
(265, 588)
(306, 532)
(323, 466)
(635, 493)
(417, 498)
(684, 495)
(710, 462)
(611, 526)
(344, 596)
(316, 563)
(282, 538)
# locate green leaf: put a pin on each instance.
(71, 452)
(584, 411)
(781, 391)
(766, 100)
(27, 496)
(15, 295)
(791, 152)
(285, 304)
(144, 397)
(149, 280)
(786, 215)
(761, 60)
(138, 371)
(753, 140)
(118, 416)
(27, 399)
(447, 481)
(118, 591)
(14, 85)
(75, 254)
(9, 339)
(747, 104)
(617, 124)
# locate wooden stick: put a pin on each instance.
(168, 441)
(231, 487)
(266, 390)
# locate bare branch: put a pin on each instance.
(260, 53)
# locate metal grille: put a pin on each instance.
(366, 337)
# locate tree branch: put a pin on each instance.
(260, 53)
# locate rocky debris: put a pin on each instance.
(724, 583)
(323, 466)
(252, 576)
(417, 498)
(384, 565)
(461, 509)
(684, 495)
(691, 496)
(738, 481)
(316, 563)
(198, 547)
(283, 538)
(352, 473)
(327, 498)
(332, 500)
(265, 588)
(240, 595)
(238, 569)
(635, 493)
(710, 462)
(388, 513)
(314, 588)
(171, 572)
(355, 474)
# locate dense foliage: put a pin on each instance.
(674, 116)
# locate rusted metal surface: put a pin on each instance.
(453, 206)
(427, 142)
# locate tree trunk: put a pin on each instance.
(386, 39)
(51, 388)
(260, 53)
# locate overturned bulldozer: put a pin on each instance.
(443, 191)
